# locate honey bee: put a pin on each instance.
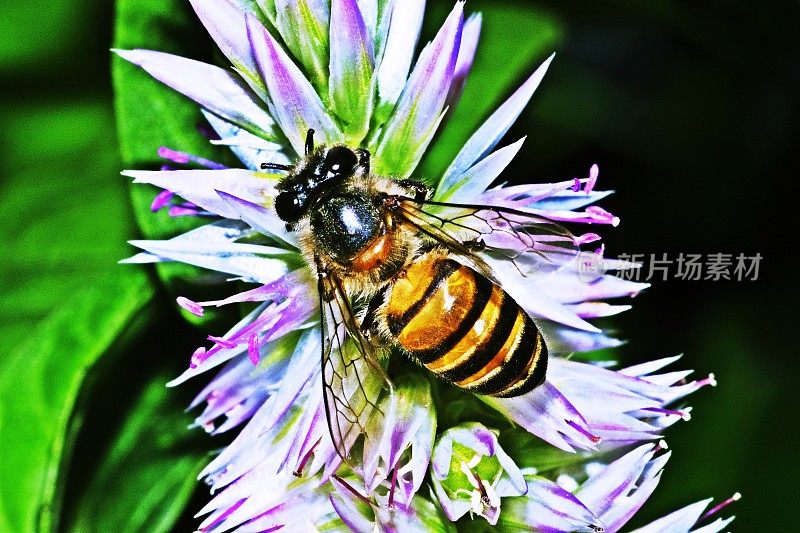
(396, 269)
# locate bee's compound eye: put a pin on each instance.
(288, 206)
(339, 160)
(345, 224)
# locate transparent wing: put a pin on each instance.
(532, 243)
(353, 379)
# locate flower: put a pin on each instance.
(605, 501)
(344, 68)
(471, 472)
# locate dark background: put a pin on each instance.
(689, 108)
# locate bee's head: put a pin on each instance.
(320, 170)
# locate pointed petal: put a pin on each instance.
(243, 260)
(680, 520)
(303, 24)
(599, 492)
(215, 89)
(419, 110)
(294, 104)
(200, 186)
(466, 57)
(260, 218)
(250, 149)
(398, 51)
(351, 65)
(225, 22)
(490, 133)
(547, 507)
(477, 178)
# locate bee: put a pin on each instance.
(398, 270)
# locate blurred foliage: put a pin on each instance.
(689, 108)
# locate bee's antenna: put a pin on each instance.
(275, 166)
(310, 141)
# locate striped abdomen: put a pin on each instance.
(464, 328)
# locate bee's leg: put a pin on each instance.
(419, 189)
(310, 141)
(276, 166)
(475, 245)
(372, 310)
(363, 159)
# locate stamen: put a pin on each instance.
(714, 510)
(184, 158)
(601, 215)
(394, 485)
(299, 470)
(685, 413)
(351, 489)
(193, 307)
(600, 251)
(660, 445)
(586, 238)
(198, 357)
(484, 495)
(161, 200)
(594, 171)
(181, 211)
(225, 343)
(252, 348)
(576, 185)
(710, 380)
(594, 438)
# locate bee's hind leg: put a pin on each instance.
(372, 310)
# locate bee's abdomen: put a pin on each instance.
(466, 329)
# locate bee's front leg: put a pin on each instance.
(419, 189)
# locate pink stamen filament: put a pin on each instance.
(252, 348)
(299, 470)
(178, 211)
(198, 357)
(714, 510)
(353, 490)
(184, 158)
(161, 200)
(710, 380)
(193, 307)
(594, 172)
(394, 486)
(225, 343)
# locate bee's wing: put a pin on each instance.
(532, 243)
(352, 377)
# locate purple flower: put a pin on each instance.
(346, 69)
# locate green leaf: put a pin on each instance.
(148, 471)
(64, 208)
(501, 64)
(39, 386)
